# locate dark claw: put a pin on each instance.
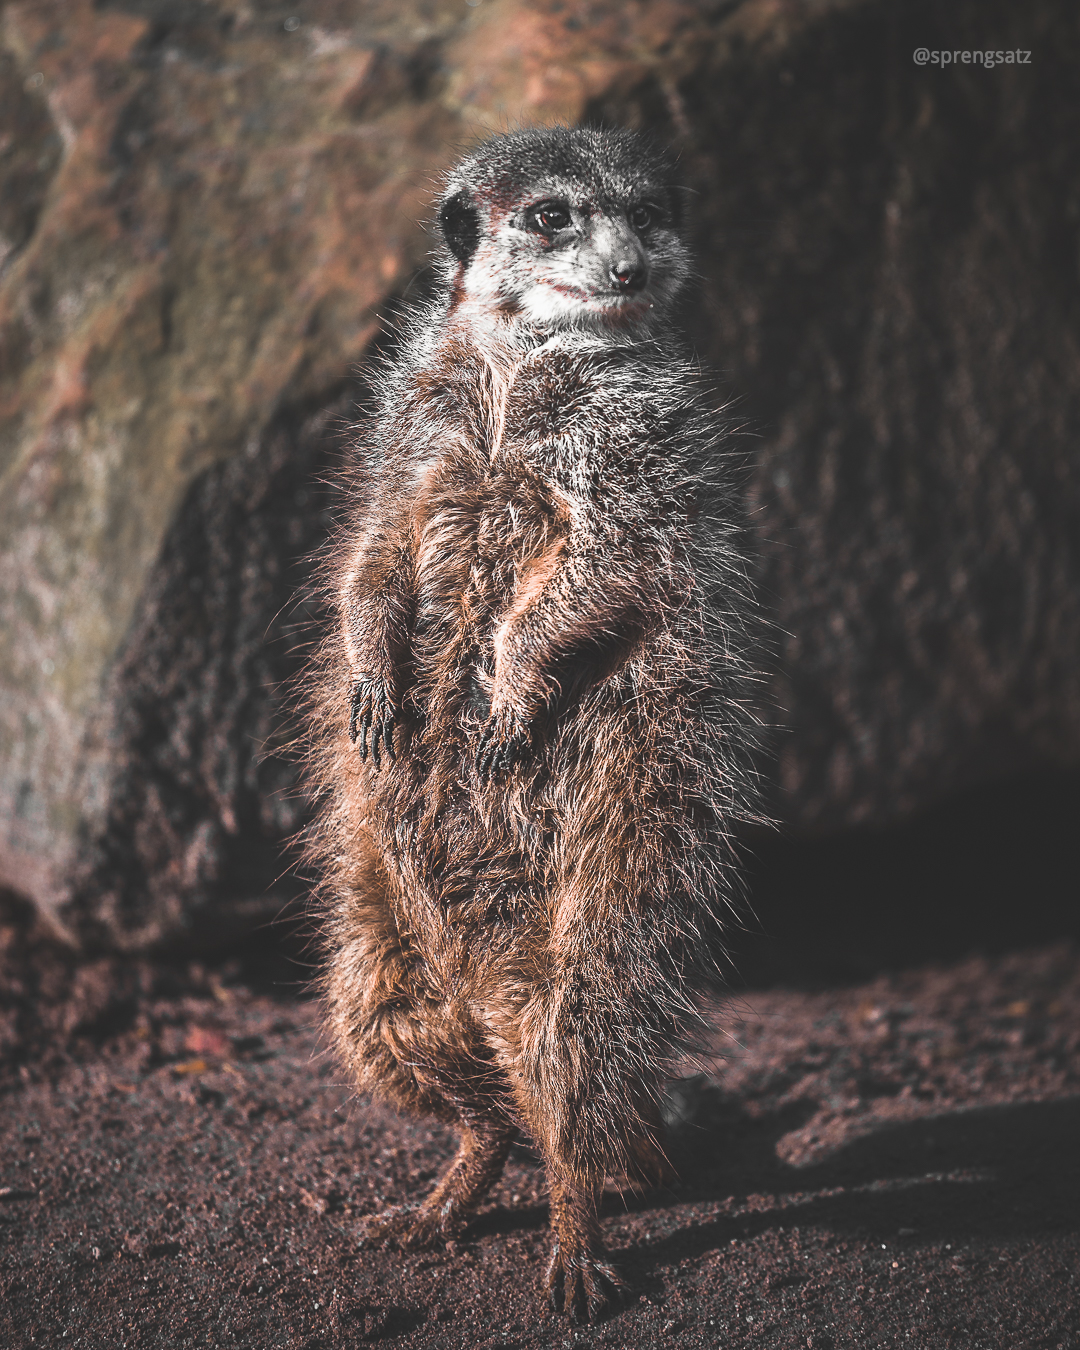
(556, 1281)
(371, 711)
(604, 1289)
(388, 738)
(405, 1228)
(354, 714)
(584, 1288)
(501, 747)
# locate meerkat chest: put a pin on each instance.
(478, 542)
(491, 502)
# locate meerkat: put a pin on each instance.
(532, 728)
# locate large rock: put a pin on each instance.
(892, 263)
(206, 209)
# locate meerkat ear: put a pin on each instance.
(460, 223)
(678, 203)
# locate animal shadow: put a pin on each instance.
(996, 1173)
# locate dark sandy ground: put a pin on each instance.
(893, 1164)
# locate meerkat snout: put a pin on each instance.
(629, 276)
(619, 253)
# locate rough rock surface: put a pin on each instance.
(893, 289)
(212, 203)
(886, 1164)
(206, 210)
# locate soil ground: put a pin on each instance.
(892, 1163)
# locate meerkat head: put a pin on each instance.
(566, 228)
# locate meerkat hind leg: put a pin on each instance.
(445, 1212)
(580, 1280)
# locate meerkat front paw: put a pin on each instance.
(372, 710)
(503, 743)
(583, 1284)
(408, 1228)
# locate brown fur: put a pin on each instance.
(525, 847)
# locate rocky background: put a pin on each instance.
(208, 212)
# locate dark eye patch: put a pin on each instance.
(643, 216)
(548, 218)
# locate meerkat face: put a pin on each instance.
(566, 228)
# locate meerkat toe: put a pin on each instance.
(403, 1228)
(502, 745)
(359, 713)
(486, 751)
(584, 1287)
(556, 1283)
(371, 719)
(604, 1289)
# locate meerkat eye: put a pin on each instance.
(547, 218)
(643, 216)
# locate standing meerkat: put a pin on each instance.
(532, 735)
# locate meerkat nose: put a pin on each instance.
(628, 276)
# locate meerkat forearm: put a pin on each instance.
(375, 603)
(591, 598)
(565, 612)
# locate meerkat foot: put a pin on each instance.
(409, 1228)
(503, 743)
(584, 1286)
(447, 1210)
(581, 1282)
(372, 711)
